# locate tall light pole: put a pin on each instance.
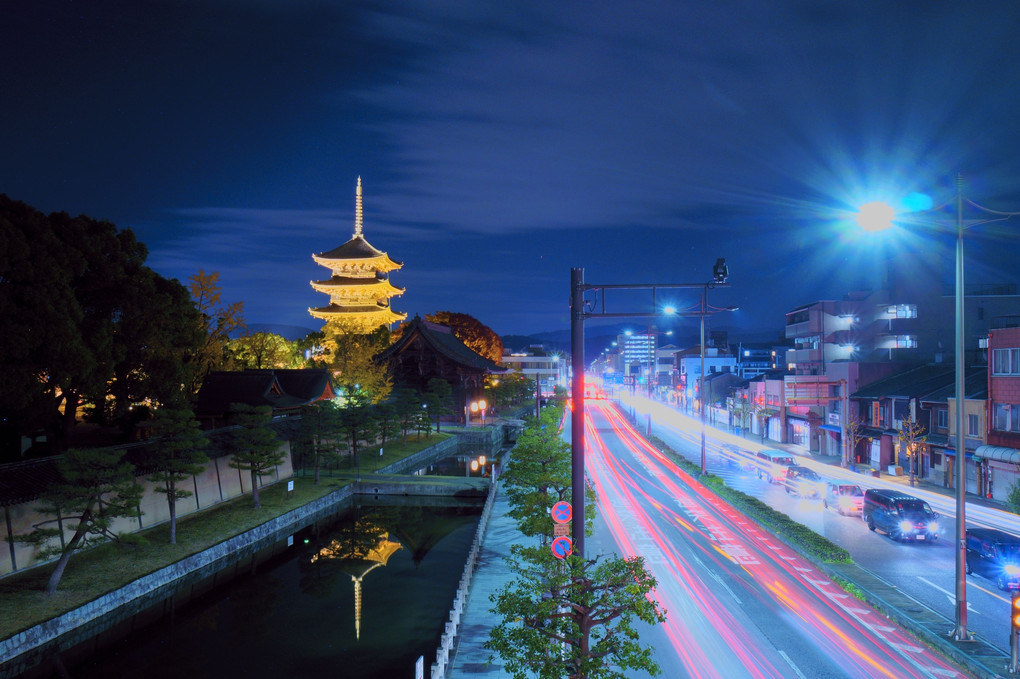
(580, 309)
(876, 216)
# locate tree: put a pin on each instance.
(95, 488)
(348, 353)
(216, 323)
(741, 411)
(511, 388)
(538, 474)
(438, 399)
(264, 351)
(254, 444)
(911, 437)
(764, 413)
(854, 435)
(574, 617)
(386, 422)
(478, 337)
(177, 453)
(320, 422)
(356, 423)
(407, 408)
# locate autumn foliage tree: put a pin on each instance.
(478, 337)
(216, 323)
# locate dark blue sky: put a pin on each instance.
(501, 143)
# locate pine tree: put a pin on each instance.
(177, 453)
(255, 446)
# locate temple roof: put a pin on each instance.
(281, 389)
(355, 248)
(442, 340)
(350, 281)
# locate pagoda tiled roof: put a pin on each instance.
(355, 248)
(345, 281)
(442, 340)
(334, 308)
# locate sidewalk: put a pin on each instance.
(904, 480)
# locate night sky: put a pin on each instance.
(501, 143)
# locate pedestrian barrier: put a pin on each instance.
(449, 636)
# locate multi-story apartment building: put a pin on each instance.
(548, 371)
(998, 461)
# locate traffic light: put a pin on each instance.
(1014, 615)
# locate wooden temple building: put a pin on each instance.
(359, 288)
(426, 350)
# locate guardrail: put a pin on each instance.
(449, 636)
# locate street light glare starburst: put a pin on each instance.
(875, 216)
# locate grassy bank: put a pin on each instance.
(102, 569)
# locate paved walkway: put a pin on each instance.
(470, 658)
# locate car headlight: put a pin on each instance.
(1011, 569)
(933, 527)
(906, 526)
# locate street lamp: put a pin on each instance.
(877, 216)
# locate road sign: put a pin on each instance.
(561, 512)
(561, 530)
(562, 547)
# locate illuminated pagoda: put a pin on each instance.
(359, 288)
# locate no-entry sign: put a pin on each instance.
(561, 512)
(561, 547)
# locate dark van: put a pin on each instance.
(900, 516)
(995, 555)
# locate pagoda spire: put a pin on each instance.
(358, 212)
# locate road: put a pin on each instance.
(926, 572)
(739, 602)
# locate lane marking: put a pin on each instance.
(795, 668)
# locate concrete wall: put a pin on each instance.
(217, 483)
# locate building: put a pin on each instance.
(548, 372)
(998, 462)
(429, 350)
(359, 288)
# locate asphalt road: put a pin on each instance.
(740, 603)
(925, 572)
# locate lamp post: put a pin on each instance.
(875, 216)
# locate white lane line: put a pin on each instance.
(951, 595)
(795, 668)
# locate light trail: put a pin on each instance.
(692, 541)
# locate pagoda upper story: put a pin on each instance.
(359, 288)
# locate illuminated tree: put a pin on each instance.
(854, 436)
(478, 337)
(216, 322)
(348, 352)
(264, 351)
(764, 413)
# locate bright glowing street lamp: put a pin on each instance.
(876, 216)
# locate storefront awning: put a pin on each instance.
(998, 454)
(830, 427)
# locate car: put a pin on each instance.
(772, 464)
(845, 498)
(900, 516)
(995, 555)
(803, 482)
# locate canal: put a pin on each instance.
(360, 595)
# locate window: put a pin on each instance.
(942, 419)
(972, 425)
(1006, 362)
(1007, 417)
(902, 311)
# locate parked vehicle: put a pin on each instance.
(900, 516)
(994, 555)
(772, 464)
(845, 498)
(803, 482)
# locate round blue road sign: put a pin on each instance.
(562, 511)
(562, 547)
